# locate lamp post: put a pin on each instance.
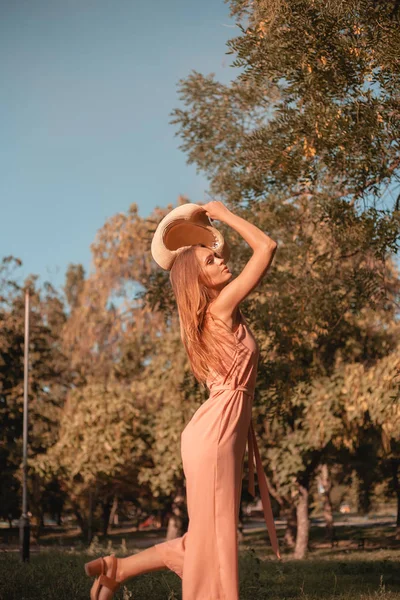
(24, 524)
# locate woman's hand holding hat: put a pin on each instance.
(216, 210)
(187, 225)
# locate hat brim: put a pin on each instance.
(186, 225)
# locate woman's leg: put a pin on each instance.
(165, 555)
(142, 562)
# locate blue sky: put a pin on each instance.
(87, 91)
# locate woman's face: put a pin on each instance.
(214, 267)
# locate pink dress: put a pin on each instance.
(213, 446)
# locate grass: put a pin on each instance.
(344, 572)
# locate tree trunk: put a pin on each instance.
(37, 519)
(289, 538)
(106, 515)
(90, 517)
(82, 522)
(113, 512)
(240, 523)
(325, 482)
(165, 514)
(177, 521)
(303, 524)
(85, 517)
(364, 495)
(395, 469)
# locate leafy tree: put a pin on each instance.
(304, 143)
(314, 106)
(48, 383)
(104, 438)
(124, 356)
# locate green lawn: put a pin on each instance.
(344, 572)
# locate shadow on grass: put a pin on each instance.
(342, 572)
(58, 575)
(317, 578)
(347, 539)
(72, 537)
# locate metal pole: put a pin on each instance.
(90, 515)
(24, 528)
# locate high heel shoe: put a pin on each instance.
(99, 567)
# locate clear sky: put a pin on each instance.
(87, 88)
(87, 91)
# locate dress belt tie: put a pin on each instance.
(253, 453)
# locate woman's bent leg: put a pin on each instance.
(142, 562)
(166, 555)
(172, 553)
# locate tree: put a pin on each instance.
(304, 142)
(124, 356)
(317, 98)
(48, 383)
(104, 439)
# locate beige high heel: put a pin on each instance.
(99, 567)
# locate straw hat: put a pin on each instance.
(185, 226)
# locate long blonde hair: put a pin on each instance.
(205, 338)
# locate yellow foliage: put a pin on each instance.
(262, 28)
(287, 149)
(355, 51)
(309, 149)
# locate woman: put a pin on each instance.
(223, 355)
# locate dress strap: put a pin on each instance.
(240, 320)
(253, 452)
